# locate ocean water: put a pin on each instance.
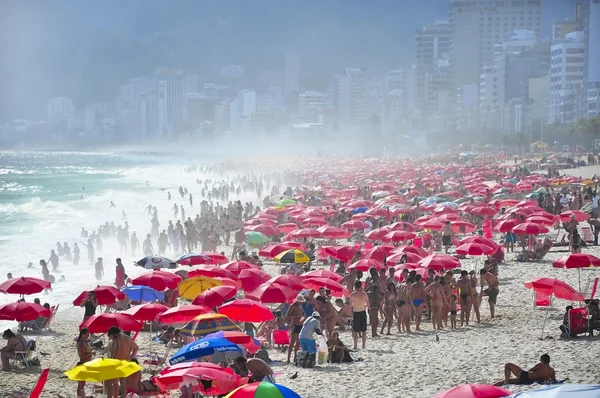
(46, 197)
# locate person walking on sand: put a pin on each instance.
(359, 302)
(295, 318)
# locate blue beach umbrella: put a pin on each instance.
(203, 347)
(143, 293)
(360, 210)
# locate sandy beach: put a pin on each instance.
(400, 365)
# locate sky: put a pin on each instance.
(85, 49)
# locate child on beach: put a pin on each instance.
(453, 311)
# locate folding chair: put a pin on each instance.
(154, 359)
(24, 355)
(45, 326)
(281, 337)
(578, 323)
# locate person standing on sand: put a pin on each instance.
(120, 276)
(417, 295)
(493, 289)
(295, 318)
(438, 300)
(404, 307)
(124, 348)
(447, 234)
(374, 295)
(466, 301)
(359, 302)
(540, 372)
(475, 295)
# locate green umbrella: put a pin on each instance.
(285, 202)
(256, 238)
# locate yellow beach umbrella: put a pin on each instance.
(102, 369)
(293, 256)
(208, 323)
(192, 287)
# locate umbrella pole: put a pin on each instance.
(546, 317)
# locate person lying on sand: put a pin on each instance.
(540, 372)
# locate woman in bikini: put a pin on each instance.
(389, 307)
(475, 295)
(85, 353)
(448, 293)
(466, 301)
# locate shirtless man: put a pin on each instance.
(493, 288)
(359, 302)
(121, 347)
(295, 318)
(349, 280)
(466, 301)
(540, 372)
(438, 299)
(417, 295)
(344, 314)
(404, 307)
(328, 315)
(447, 234)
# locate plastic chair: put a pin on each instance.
(281, 337)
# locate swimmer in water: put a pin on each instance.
(112, 204)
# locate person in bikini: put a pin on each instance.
(540, 372)
(404, 308)
(124, 348)
(438, 299)
(493, 288)
(359, 302)
(466, 301)
(475, 295)
(389, 307)
(374, 295)
(417, 295)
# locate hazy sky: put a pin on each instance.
(84, 49)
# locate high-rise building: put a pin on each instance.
(170, 100)
(60, 109)
(593, 41)
(292, 72)
(349, 91)
(242, 112)
(312, 106)
(568, 88)
(432, 50)
(477, 25)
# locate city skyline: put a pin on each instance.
(453, 83)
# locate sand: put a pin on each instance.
(408, 366)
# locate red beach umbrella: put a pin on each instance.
(530, 228)
(579, 215)
(409, 258)
(175, 376)
(211, 271)
(439, 261)
(182, 314)
(267, 230)
(317, 221)
(305, 233)
(100, 323)
(555, 287)
(355, 224)
(215, 296)
(378, 253)
(366, 264)
(433, 225)
(22, 311)
(235, 267)
(410, 249)
(479, 239)
(317, 283)
(484, 211)
(272, 293)
(577, 260)
(506, 225)
(540, 220)
(195, 259)
(333, 232)
(345, 253)
(252, 278)
(245, 310)
(24, 285)
(378, 234)
(475, 249)
(474, 391)
(273, 250)
(294, 282)
(322, 273)
(398, 236)
(157, 280)
(217, 258)
(287, 228)
(146, 311)
(104, 295)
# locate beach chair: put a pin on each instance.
(281, 337)
(578, 323)
(24, 356)
(45, 326)
(156, 359)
